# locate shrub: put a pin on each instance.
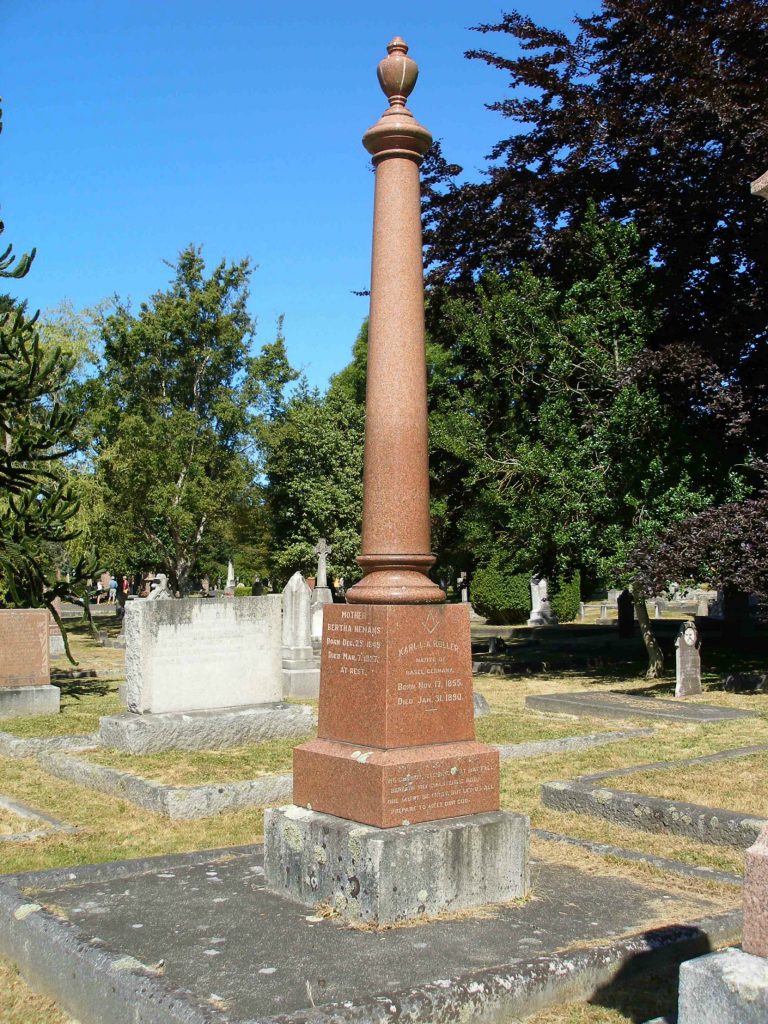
(566, 598)
(242, 591)
(502, 596)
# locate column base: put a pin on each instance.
(398, 786)
(382, 876)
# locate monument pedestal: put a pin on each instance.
(403, 786)
(382, 876)
(19, 701)
(396, 805)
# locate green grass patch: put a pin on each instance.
(82, 705)
(197, 767)
(528, 726)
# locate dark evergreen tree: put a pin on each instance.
(37, 505)
(655, 110)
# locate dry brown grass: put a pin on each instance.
(738, 784)
(13, 824)
(20, 1005)
(114, 829)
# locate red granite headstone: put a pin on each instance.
(24, 647)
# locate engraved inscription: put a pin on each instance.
(353, 642)
(438, 788)
(430, 679)
(23, 647)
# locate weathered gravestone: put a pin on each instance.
(301, 675)
(321, 595)
(25, 683)
(731, 986)
(541, 611)
(626, 612)
(396, 804)
(687, 661)
(201, 674)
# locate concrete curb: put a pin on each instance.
(171, 801)
(677, 867)
(535, 748)
(714, 825)
(95, 984)
(17, 747)
(520, 989)
(25, 811)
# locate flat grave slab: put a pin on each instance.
(197, 938)
(621, 705)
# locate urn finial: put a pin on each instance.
(397, 73)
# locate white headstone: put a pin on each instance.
(301, 676)
(193, 655)
(231, 581)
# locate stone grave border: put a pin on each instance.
(26, 811)
(18, 746)
(586, 704)
(716, 826)
(677, 867)
(184, 802)
(111, 985)
(212, 798)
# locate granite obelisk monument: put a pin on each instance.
(396, 741)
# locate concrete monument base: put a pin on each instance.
(204, 730)
(729, 987)
(382, 876)
(17, 701)
(301, 682)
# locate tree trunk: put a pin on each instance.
(655, 655)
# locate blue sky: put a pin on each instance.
(133, 127)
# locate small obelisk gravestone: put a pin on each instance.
(396, 740)
(687, 661)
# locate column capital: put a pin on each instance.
(397, 132)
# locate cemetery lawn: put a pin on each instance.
(88, 652)
(12, 824)
(740, 784)
(20, 1005)
(196, 767)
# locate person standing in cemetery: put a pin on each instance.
(112, 598)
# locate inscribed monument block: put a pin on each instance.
(24, 647)
(193, 655)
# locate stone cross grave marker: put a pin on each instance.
(321, 594)
(687, 661)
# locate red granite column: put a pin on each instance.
(396, 736)
(396, 531)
